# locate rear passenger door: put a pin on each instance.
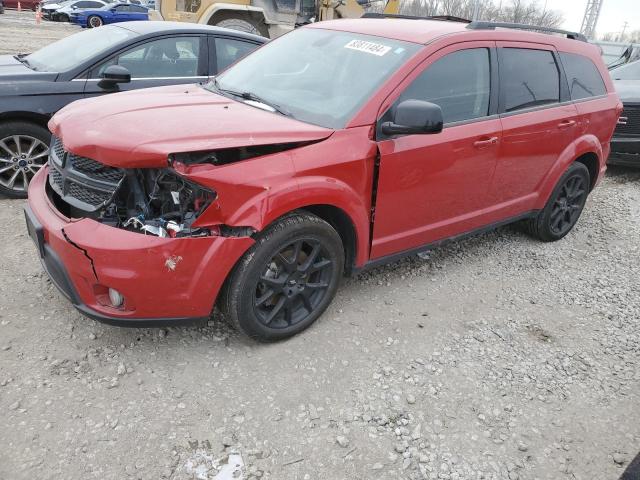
(435, 186)
(225, 51)
(538, 123)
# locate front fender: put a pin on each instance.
(217, 7)
(581, 146)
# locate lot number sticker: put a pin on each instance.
(368, 47)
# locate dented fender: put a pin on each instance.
(254, 193)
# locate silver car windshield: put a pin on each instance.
(72, 51)
(317, 76)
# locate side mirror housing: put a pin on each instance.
(113, 75)
(415, 117)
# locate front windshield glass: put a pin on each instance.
(316, 76)
(73, 50)
(630, 71)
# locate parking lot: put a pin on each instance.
(498, 357)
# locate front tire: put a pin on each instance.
(24, 149)
(240, 22)
(564, 206)
(286, 280)
(94, 21)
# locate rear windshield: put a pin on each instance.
(74, 50)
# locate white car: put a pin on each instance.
(60, 12)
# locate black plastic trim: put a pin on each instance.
(478, 231)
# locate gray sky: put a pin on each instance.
(612, 16)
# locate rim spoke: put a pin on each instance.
(267, 296)
(25, 180)
(311, 258)
(288, 265)
(577, 194)
(16, 140)
(322, 264)
(317, 286)
(287, 314)
(4, 169)
(44, 153)
(12, 180)
(554, 214)
(6, 160)
(7, 149)
(274, 283)
(306, 302)
(276, 310)
(34, 143)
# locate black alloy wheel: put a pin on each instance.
(564, 206)
(568, 205)
(293, 284)
(286, 280)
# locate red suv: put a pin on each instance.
(338, 146)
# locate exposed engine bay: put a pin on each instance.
(157, 202)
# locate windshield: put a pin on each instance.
(72, 51)
(317, 76)
(630, 71)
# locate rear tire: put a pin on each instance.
(286, 280)
(240, 22)
(94, 21)
(24, 149)
(564, 206)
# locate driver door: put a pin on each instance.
(435, 186)
(158, 62)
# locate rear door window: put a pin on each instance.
(584, 78)
(229, 51)
(528, 78)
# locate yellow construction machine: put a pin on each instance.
(269, 18)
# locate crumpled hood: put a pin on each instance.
(627, 90)
(141, 128)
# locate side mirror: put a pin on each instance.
(113, 75)
(415, 117)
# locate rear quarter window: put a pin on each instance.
(583, 76)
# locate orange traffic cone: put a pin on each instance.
(19, 7)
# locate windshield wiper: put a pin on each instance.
(253, 97)
(22, 59)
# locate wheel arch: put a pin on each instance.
(24, 116)
(590, 160)
(219, 9)
(586, 149)
(343, 224)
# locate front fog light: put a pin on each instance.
(116, 297)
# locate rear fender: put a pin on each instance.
(581, 146)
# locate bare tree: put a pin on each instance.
(515, 11)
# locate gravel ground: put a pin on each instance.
(498, 357)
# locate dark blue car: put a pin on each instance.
(110, 13)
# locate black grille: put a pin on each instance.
(57, 147)
(632, 127)
(95, 169)
(81, 182)
(87, 195)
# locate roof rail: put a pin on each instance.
(521, 26)
(447, 18)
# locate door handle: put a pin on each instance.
(486, 142)
(566, 124)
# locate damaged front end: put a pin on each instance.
(151, 201)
